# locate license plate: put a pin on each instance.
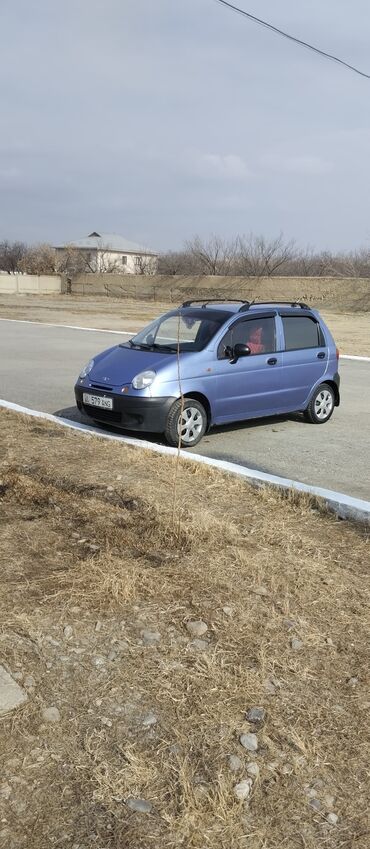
(98, 401)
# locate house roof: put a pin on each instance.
(108, 241)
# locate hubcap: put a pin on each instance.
(323, 404)
(190, 424)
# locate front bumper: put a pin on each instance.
(138, 414)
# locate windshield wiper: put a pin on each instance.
(158, 347)
(154, 347)
(134, 345)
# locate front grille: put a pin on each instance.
(100, 414)
(101, 386)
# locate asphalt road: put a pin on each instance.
(39, 365)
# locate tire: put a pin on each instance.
(321, 406)
(194, 421)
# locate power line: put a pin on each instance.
(292, 38)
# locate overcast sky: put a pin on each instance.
(159, 119)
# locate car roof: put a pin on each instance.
(240, 306)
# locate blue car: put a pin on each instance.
(211, 363)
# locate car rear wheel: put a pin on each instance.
(321, 405)
(186, 423)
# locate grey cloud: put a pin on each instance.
(161, 119)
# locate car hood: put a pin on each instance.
(119, 365)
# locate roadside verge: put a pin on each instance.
(344, 506)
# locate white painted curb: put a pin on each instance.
(353, 357)
(345, 506)
(68, 326)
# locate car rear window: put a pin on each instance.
(302, 332)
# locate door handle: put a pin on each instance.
(272, 361)
(321, 355)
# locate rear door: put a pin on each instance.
(251, 386)
(305, 357)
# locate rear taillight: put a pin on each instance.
(337, 353)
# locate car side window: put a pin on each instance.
(302, 332)
(258, 333)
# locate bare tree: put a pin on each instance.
(11, 256)
(303, 264)
(215, 256)
(176, 262)
(40, 259)
(260, 257)
(71, 261)
(145, 264)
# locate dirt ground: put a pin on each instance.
(351, 330)
(108, 554)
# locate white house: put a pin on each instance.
(107, 252)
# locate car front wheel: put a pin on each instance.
(186, 423)
(321, 405)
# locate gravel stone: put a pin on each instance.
(141, 806)
(11, 694)
(315, 804)
(29, 682)
(260, 591)
(68, 632)
(249, 742)
(256, 714)
(228, 611)
(253, 769)
(98, 660)
(112, 655)
(296, 644)
(200, 645)
(235, 763)
(5, 791)
(149, 720)
(120, 645)
(243, 789)
(150, 638)
(271, 686)
(197, 627)
(51, 714)
(332, 819)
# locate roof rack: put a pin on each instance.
(281, 303)
(218, 301)
(245, 305)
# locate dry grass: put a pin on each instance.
(349, 326)
(283, 567)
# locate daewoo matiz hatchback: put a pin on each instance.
(212, 363)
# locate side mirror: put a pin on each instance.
(241, 350)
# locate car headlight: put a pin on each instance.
(88, 368)
(144, 379)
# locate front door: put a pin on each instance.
(251, 386)
(305, 359)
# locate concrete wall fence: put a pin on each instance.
(31, 284)
(351, 293)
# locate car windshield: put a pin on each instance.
(186, 331)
